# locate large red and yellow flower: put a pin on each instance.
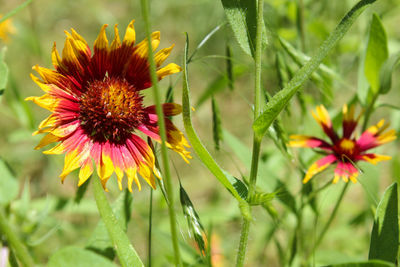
(97, 107)
(346, 150)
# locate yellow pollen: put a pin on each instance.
(347, 144)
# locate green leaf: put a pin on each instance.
(3, 71)
(240, 187)
(193, 221)
(242, 16)
(80, 193)
(100, 241)
(8, 184)
(169, 96)
(371, 263)
(195, 141)
(78, 257)
(385, 75)
(282, 98)
(376, 54)
(216, 123)
(385, 232)
(286, 197)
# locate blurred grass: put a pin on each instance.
(50, 209)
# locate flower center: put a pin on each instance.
(110, 110)
(346, 149)
(347, 144)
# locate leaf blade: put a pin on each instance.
(241, 15)
(385, 232)
(376, 54)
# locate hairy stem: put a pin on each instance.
(256, 140)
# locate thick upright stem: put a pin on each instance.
(256, 140)
(125, 251)
(15, 243)
(161, 124)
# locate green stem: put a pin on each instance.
(150, 227)
(15, 243)
(244, 236)
(300, 23)
(15, 11)
(125, 251)
(369, 111)
(163, 135)
(333, 214)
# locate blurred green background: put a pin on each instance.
(45, 212)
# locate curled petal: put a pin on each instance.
(168, 70)
(169, 109)
(116, 43)
(162, 55)
(130, 34)
(142, 48)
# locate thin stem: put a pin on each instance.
(14, 241)
(256, 140)
(300, 23)
(15, 11)
(125, 251)
(150, 227)
(333, 214)
(369, 111)
(163, 135)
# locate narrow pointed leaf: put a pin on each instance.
(385, 232)
(282, 98)
(377, 53)
(169, 96)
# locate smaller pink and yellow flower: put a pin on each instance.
(347, 150)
